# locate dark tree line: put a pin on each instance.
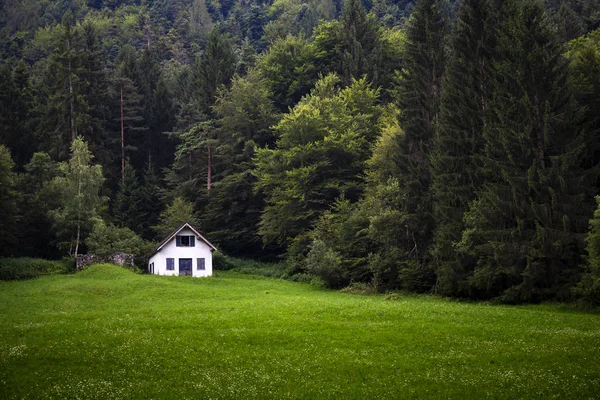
(431, 146)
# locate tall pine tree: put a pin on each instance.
(419, 102)
(455, 162)
(526, 228)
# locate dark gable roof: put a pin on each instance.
(176, 231)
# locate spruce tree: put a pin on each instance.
(419, 102)
(128, 106)
(151, 200)
(9, 204)
(127, 205)
(527, 226)
(215, 68)
(361, 44)
(455, 162)
(63, 109)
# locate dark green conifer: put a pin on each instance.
(526, 229)
(216, 67)
(126, 209)
(455, 162)
(419, 102)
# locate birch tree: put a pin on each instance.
(78, 188)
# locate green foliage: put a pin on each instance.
(178, 212)
(78, 190)
(456, 168)
(246, 115)
(369, 126)
(419, 92)
(223, 262)
(322, 148)
(525, 230)
(588, 290)
(36, 235)
(151, 200)
(107, 239)
(288, 68)
(9, 206)
(326, 264)
(28, 268)
(216, 67)
(344, 229)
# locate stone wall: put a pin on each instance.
(124, 259)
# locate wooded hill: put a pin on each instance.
(427, 146)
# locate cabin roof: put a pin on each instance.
(176, 231)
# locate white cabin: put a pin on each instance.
(184, 252)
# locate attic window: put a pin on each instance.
(185, 241)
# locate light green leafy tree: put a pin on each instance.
(107, 239)
(78, 189)
(177, 213)
(323, 145)
(588, 290)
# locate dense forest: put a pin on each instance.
(447, 147)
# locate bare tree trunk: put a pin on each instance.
(122, 140)
(71, 100)
(77, 240)
(209, 174)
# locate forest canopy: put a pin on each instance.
(445, 147)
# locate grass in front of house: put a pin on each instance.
(109, 333)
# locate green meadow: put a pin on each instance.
(109, 333)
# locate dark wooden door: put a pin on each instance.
(185, 266)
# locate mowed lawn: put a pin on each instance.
(109, 333)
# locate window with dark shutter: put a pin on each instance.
(200, 263)
(170, 264)
(184, 241)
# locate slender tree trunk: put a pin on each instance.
(77, 240)
(122, 140)
(71, 100)
(78, 214)
(209, 174)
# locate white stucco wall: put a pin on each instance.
(170, 250)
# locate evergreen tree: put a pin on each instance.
(15, 103)
(127, 206)
(419, 103)
(246, 115)
(151, 201)
(62, 105)
(95, 85)
(159, 146)
(200, 23)
(525, 231)
(456, 167)
(36, 237)
(361, 44)
(129, 108)
(216, 67)
(9, 203)
(569, 23)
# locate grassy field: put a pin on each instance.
(109, 333)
